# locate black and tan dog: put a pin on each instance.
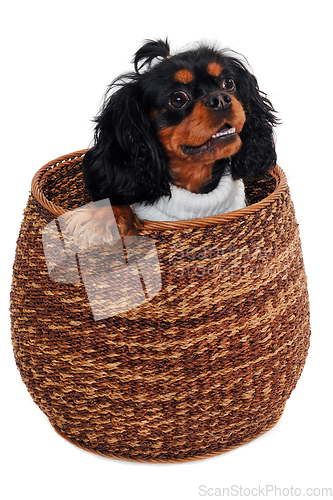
(185, 121)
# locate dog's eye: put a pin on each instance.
(179, 99)
(228, 84)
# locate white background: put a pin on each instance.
(57, 60)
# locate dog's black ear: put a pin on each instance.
(257, 154)
(127, 163)
(150, 51)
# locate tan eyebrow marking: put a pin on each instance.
(214, 69)
(183, 76)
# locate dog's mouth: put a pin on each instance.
(225, 132)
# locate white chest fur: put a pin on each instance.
(228, 196)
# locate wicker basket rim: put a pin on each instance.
(40, 177)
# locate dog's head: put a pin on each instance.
(182, 120)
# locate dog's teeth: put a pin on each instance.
(225, 132)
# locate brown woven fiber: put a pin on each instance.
(205, 365)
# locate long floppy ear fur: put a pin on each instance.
(127, 164)
(257, 154)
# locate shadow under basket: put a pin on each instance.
(203, 366)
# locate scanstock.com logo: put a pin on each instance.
(117, 276)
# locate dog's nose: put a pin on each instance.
(219, 100)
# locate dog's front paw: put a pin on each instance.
(127, 222)
(93, 224)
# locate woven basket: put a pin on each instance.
(204, 366)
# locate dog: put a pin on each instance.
(188, 127)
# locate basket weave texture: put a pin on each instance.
(204, 366)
